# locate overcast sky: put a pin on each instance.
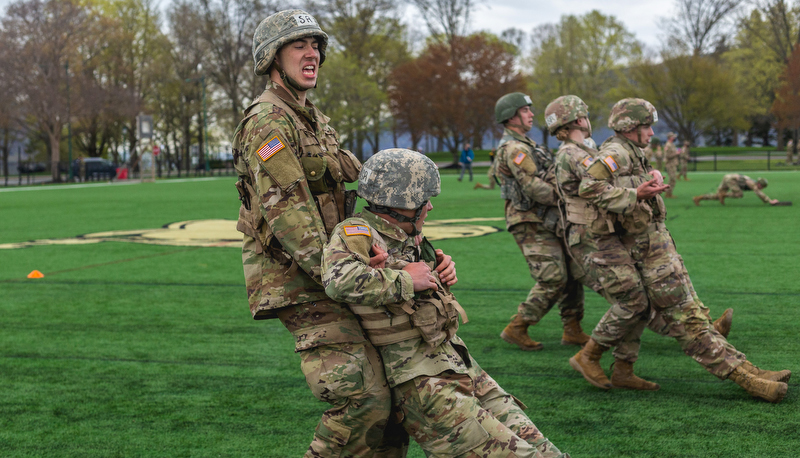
(641, 17)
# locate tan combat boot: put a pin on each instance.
(697, 200)
(623, 377)
(721, 197)
(587, 362)
(573, 333)
(758, 387)
(723, 323)
(773, 376)
(517, 333)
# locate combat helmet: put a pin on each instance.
(763, 182)
(507, 106)
(563, 111)
(399, 178)
(281, 28)
(627, 114)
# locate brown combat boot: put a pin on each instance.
(623, 377)
(773, 376)
(721, 197)
(587, 362)
(723, 323)
(758, 387)
(697, 200)
(573, 333)
(517, 333)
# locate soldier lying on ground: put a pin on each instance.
(733, 186)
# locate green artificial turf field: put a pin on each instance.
(143, 346)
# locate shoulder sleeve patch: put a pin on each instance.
(357, 230)
(519, 158)
(611, 164)
(599, 170)
(278, 159)
(587, 162)
(270, 147)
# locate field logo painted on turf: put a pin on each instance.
(223, 233)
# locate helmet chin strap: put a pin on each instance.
(374, 208)
(291, 84)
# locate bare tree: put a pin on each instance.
(445, 18)
(44, 36)
(775, 24)
(700, 24)
(229, 26)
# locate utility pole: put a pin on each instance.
(69, 126)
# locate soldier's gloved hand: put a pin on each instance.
(421, 276)
(446, 268)
(379, 260)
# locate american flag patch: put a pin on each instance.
(587, 162)
(270, 147)
(519, 158)
(611, 163)
(356, 230)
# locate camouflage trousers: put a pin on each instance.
(555, 283)
(468, 416)
(610, 270)
(350, 377)
(676, 309)
(672, 171)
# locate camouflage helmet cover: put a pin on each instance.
(763, 182)
(507, 106)
(280, 29)
(399, 178)
(563, 111)
(627, 114)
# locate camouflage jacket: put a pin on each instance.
(590, 201)
(745, 183)
(671, 153)
(291, 184)
(386, 293)
(530, 189)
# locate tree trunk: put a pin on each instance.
(55, 154)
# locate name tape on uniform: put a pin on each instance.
(270, 147)
(357, 230)
(520, 157)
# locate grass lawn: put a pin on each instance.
(133, 349)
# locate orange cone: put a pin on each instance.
(35, 274)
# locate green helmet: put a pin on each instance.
(564, 110)
(398, 178)
(763, 182)
(627, 114)
(507, 106)
(282, 28)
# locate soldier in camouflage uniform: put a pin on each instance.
(592, 243)
(672, 158)
(656, 281)
(685, 157)
(291, 184)
(534, 219)
(733, 186)
(449, 405)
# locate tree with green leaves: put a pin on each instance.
(580, 55)
(786, 107)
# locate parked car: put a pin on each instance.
(94, 168)
(31, 167)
